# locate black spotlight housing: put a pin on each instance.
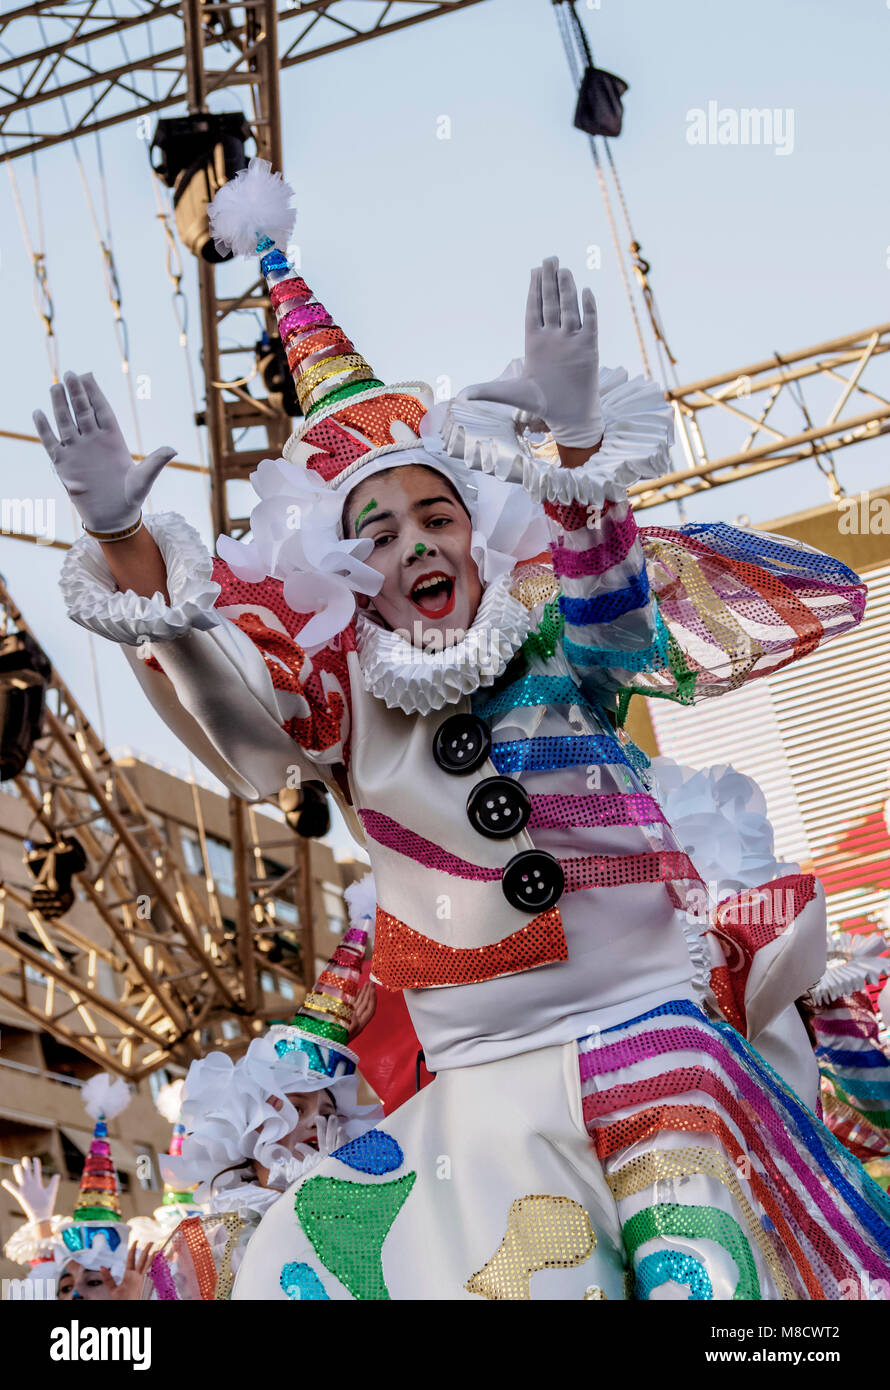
(24, 675)
(272, 365)
(53, 863)
(196, 155)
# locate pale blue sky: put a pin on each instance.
(421, 246)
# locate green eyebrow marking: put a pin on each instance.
(364, 512)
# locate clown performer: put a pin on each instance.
(254, 1126)
(178, 1201)
(399, 627)
(85, 1255)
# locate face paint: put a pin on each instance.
(364, 512)
(420, 548)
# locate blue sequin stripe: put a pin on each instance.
(602, 608)
(532, 689)
(873, 1090)
(549, 754)
(831, 1155)
(684, 1007)
(771, 555)
(852, 1059)
(653, 656)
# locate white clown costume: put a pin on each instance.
(584, 1134)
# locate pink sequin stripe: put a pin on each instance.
(162, 1279)
(590, 871)
(576, 515)
(654, 1044)
(841, 1027)
(613, 808)
(306, 316)
(612, 548)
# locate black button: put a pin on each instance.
(499, 807)
(533, 881)
(462, 743)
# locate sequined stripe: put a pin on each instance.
(531, 689)
(234, 1225)
(771, 553)
(588, 871)
(645, 1170)
(162, 1278)
(604, 608)
(691, 1079)
(406, 959)
(608, 552)
(576, 516)
(841, 1027)
(202, 1258)
(803, 622)
(696, 1223)
(874, 1218)
(597, 808)
(548, 754)
(655, 655)
(669, 1265)
(648, 1124)
(852, 1059)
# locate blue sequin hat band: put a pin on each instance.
(327, 1061)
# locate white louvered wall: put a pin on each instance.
(816, 736)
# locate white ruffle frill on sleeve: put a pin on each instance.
(94, 601)
(638, 432)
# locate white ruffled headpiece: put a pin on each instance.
(855, 959)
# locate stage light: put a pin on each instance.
(24, 674)
(198, 154)
(271, 361)
(306, 809)
(53, 863)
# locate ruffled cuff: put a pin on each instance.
(638, 433)
(94, 601)
(26, 1244)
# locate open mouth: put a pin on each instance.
(433, 594)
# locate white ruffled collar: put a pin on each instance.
(417, 682)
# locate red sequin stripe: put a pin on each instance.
(199, 1248)
(295, 288)
(576, 515)
(339, 982)
(802, 621)
(699, 1119)
(315, 342)
(405, 959)
(744, 924)
(374, 417)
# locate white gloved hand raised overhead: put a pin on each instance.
(91, 456)
(560, 378)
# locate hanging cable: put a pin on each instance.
(43, 300)
(828, 470)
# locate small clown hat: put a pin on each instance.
(350, 416)
(104, 1097)
(169, 1103)
(321, 1025)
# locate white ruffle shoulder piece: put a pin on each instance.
(94, 601)
(418, 681)
(638, 433)
(854, 961)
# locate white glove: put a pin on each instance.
(92, 459)
(35, 1200)
(560, 379)
(329, 1132)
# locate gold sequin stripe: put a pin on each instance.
(320, 1003)
(234, 1224)
(539, 588)
(310, 380)
(734, 643)
(319, 394)
(648, 1169)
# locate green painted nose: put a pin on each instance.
(420, 548)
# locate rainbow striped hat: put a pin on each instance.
(350, 416)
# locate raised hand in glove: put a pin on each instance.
(92, 459)
(560, 378)
(36, 1200)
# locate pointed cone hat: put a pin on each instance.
(350, 415)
